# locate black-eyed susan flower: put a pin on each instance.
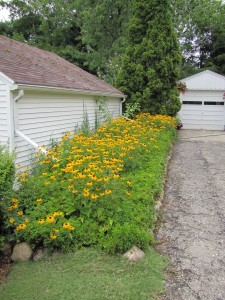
(53, 236)
(41, 221)
(66, 225)
(21, 227)
(107, 192)
(11, 220)
(50, 219)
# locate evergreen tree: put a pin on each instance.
(152, 59)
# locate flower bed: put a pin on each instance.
(94, 190)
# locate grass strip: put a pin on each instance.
(86, 275)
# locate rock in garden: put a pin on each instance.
(40, 254)
(158, 204)
(134, 254)
(21, 252)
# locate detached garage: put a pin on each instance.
(203, 103)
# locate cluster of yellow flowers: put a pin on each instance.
(90, 167)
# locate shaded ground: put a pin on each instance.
(5, 264)
(193, 233)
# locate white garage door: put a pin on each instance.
(203, 113)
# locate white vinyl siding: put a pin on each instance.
(4, 113)
(114, 107)
(45, 116)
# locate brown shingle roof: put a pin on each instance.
(32, 66)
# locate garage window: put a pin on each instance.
(213, 103)
(193, 102)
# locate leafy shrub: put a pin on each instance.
(7, 175)
(7, 171)
(98, 189)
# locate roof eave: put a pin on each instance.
(69, 90)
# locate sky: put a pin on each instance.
(4, 14)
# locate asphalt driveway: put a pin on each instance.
(193, 231)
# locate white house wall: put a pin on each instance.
(46, 116)
(4, 113)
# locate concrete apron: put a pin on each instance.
(193, 231)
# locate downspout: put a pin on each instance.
(121, 105)
(17, 131)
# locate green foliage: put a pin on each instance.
(7, 175)
(200, 26)
(132, 110)
(151, 63)
(102, 113)
(94, 190)
(7, 171)
(104, 34)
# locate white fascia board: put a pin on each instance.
(6, 79)
(68, 90)
(200, 74)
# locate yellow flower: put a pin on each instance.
(94, 197)
(128, 194)
(14, 200)
(107, 192)
(27, 221)
(66, 225)
(39, 200)
(53, 236)
(41, 221)
(116, 175)
(71, 228)
(19, 213)
(74, 191)
(21, 227)
(59, 213)
(129, 182)
(11, 220)
(50, 219)
(89, 183)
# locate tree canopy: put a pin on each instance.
(96, 34)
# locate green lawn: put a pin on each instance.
(86, 275)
